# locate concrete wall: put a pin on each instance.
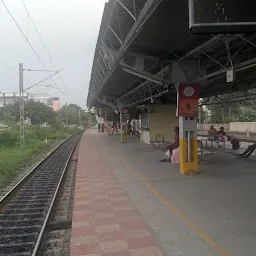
(162, 120)
(232, 127)
(243, 127)
(217, 126)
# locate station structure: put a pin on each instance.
(147, 48)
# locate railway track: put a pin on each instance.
(25, 209)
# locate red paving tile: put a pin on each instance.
(104, 223)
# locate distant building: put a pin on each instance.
(11, 98)
(43, 98)
(56, 104)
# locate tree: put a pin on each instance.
(74, 114)
(37, 112)
(228, 109)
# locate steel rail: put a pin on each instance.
(15, 187)
(41, 235)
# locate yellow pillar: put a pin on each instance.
(188, 146)
(124, 135)
(109, 131)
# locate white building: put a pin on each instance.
(11, 98)
(42, 97)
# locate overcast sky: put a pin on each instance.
(69, 29)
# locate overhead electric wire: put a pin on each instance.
(12, 69)
(43, 43)
(16, 23)
(8, 66)
(24, 35)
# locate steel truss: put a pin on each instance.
(146, 90)
(212, 59)
(230, 97)
(106, 52)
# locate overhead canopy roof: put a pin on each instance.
(158, 31)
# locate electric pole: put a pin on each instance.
(66, 114)
(79, 117)
(22, 112)
(21, 94)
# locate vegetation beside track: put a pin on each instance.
(12, 159)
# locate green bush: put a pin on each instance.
(9, 139)
(12, 159)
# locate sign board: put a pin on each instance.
(222, 16)
(230, 76)
(187, 100)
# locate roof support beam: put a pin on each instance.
(210, 41)
(108, 102)
(101, 77)
(118, 21)
(242, 66)
(148, 9)
(146, 83)
(153, 91)
(112, 58)
(246, 40)
(144, 74)
(102, 70)
(115, 34)
(134, 8)
(101, 55)
(126, 9)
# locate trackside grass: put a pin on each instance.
(12, 159)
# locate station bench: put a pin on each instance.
(218, 142)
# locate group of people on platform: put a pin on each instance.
(220, 135)
(223, 136)
(101, 127)
(173, 151)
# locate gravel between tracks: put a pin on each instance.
(58, 235)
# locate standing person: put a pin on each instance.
(102, 127)
(247, 153)
(99, 126)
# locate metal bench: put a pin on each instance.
(205, 155)
(158, 141)
(213, 141)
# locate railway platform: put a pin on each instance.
(127, 203)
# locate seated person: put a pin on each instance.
(199, 146)
(167, 157)
(175, 157)
(223, 136)
(222, 132)
(212, 133)
(247, 153)
(174, 145)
